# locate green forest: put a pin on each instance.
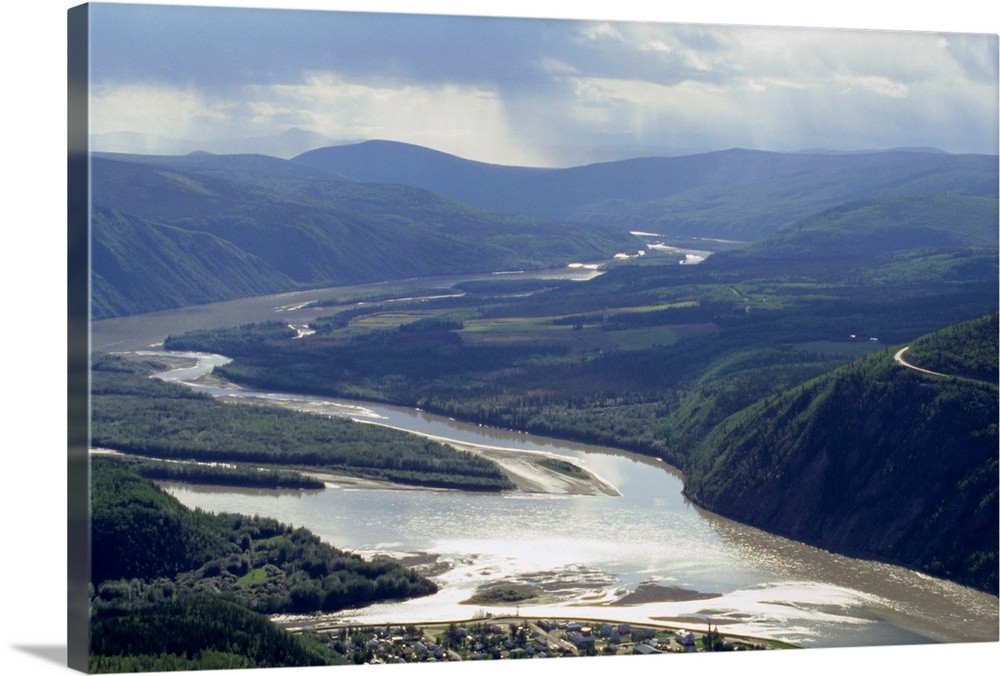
(872, 459)
(143, 416)
(157, 566)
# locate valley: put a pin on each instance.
(412, 337)
(587, 552)
(557, 399)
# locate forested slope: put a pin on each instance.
(180, 589)
(873, 460)
(197, 633)
(140, 266)
(170, 232)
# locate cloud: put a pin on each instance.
(444, 116)
(165, 111)
(463, 120)
(875, 83)
(501, 89)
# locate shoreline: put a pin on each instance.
(300, 623)
(524, 468)
(512, 456)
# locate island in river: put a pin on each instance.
(597, 548)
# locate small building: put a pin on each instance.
(644, 649)
(684, 638)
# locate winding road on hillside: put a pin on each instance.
(902, 362)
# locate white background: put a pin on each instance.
(33, 265)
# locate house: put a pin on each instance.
(685, 638)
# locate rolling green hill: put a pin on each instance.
(883, 225)
(140, 532)
(174, 231)
(181, 231)
(873, 459)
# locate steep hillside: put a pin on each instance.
(141, 266)
(231, 226)
(874, 459)
(967, 350)
(737, 194)
(138, 531)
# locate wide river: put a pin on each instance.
(587, 552)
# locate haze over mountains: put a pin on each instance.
(735, 194)
(285, 145)
(247, 224)
(296, 141)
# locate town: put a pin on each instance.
(513, 637)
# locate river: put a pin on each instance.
(587, 553)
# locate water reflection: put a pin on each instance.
(605, 545)
(588, 549)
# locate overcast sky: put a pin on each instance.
(521, 90)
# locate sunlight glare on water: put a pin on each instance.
(587, 550)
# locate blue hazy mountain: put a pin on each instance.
(735, 194)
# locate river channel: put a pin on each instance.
(589, 554)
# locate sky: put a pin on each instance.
(536, 91)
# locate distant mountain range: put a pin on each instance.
(171, 230)
(285, 145)
(733, 194)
